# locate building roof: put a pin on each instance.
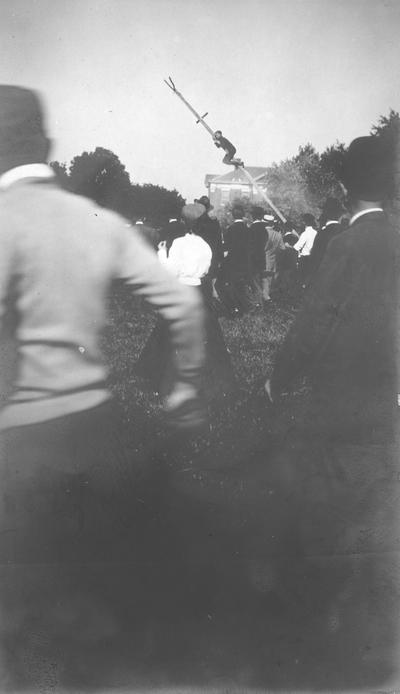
(237, 176)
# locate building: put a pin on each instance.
(233, 185)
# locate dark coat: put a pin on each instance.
(324, 236)
(258, 242)
(209, 229)
(237, 244)
(344, 338)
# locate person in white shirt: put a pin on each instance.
(304, 246)
(188, 258)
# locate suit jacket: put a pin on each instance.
(274, 247)
(238, 246)
(258, 242)
(344, 338)
(209, 229)
(324, 236)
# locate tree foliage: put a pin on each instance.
(155, 203)
(101, 176)
(387, 126)
(303, 183)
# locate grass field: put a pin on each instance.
(252, 341)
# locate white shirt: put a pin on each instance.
(329, 223)
(305, 242)
(26, 171)
(189, 258)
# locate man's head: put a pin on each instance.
(237, 212)
(191, 213)
(367, 168)
(308, 220)
(257, 212)
(332, 210)
(290, 238)
(218, 134)
(22, 135)
(204, 200)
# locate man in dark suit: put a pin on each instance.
(334, 472)
(235, 269)
(208, 227)
(330, 227)
(344, 336)
(258, 242)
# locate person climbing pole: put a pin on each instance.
(230, 150)
(223, 143)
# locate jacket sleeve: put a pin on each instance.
(324, 307)
(181, 306)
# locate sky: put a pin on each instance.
(272, 74)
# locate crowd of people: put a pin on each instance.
(67, 489)
(255, 261)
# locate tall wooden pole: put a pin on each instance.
(200, 119)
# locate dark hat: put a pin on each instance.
(332, 209)
(205, 200)
(192, 212)
(366, 168)
(22, 136)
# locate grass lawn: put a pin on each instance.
(252, 341)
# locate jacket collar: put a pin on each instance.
(363, 212)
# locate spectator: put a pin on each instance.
(209, 229)
(304, 246)
(149, 233)
(275, 245)
(344, 338)
(173, 229)
(258, 242)
(67, 490)
(286, 286)
(189, 258)
(234, 277)
(330, 227)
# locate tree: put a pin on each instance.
(100, 175)
(388, 129)
(332, 159)
(61, 171)
(155, 203)
(387, 126)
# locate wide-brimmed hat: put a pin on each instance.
(192, 212)
(367, 168)
(204, 200)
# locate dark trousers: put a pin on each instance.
(70, 520)
(234, 294)
(304, 270)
